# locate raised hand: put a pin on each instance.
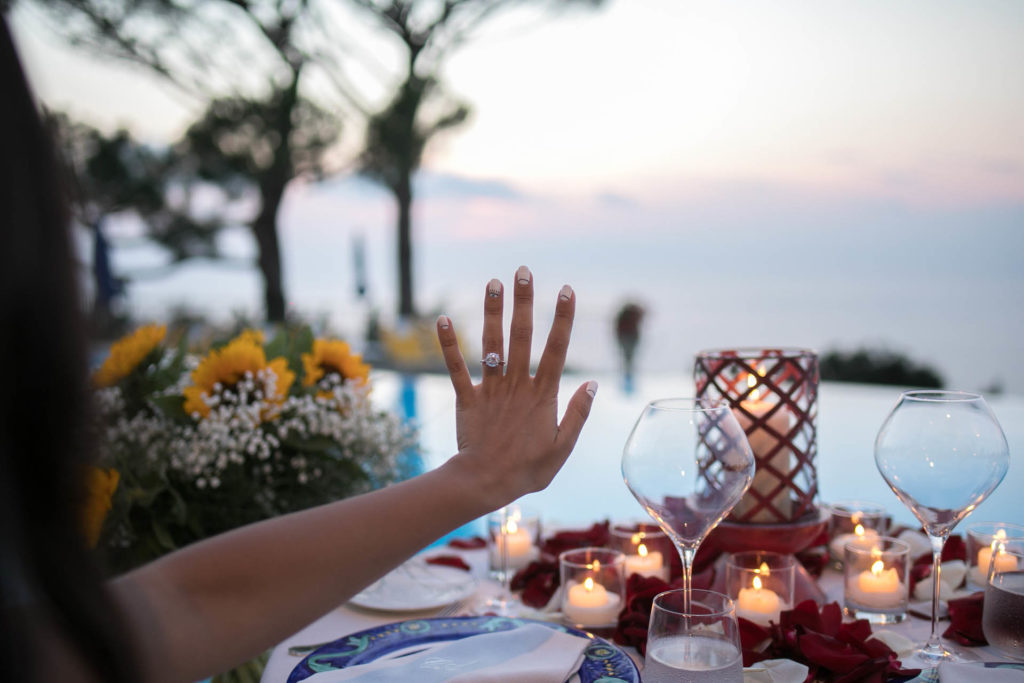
(509, 437)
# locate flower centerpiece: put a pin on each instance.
(244, 431)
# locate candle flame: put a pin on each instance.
(1002, 549)
(1001, 534)
(763, 569)
(588, 583)
(637, 537)
(641, 550)
(757, 583)
(877, 568)
(511, 526)
(855, 518)
(859, 530)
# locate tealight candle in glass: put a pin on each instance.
(646, 547)
(513, 537)
(1001, 620)
(875, 580)
(761, 584)
(853, 521)
(983, 539)
(593, 587)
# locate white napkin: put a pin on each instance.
(529, 654)
(973, 672)
(775, 671)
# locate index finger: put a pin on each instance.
(552, 361)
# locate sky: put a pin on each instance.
(827, 174)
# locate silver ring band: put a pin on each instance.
(492, 360)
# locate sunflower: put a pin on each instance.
(127, 352)
(331, 356)
(100, 485)
(222, 369)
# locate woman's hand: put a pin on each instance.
(510, 441)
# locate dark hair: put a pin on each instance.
(45, 568)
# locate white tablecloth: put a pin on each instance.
(346, 619)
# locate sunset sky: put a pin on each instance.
(826, 173)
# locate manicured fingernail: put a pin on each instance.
(523, 275)
(494, 288)
(444, 322)
(592, 388)
(565, 293)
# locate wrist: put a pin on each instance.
(479, 486)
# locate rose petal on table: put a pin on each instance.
(471, 543)
(918, 542)
(897, 642)
(965, 621)
(449, 561)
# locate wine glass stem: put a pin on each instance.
(687, 555)
(934, 645)
(503, 559)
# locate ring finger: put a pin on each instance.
(493, 341)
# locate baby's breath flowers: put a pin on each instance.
(230, 438)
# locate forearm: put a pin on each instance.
(219, 602)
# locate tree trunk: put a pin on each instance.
(403, 199)
(264, 228)
(272, 184)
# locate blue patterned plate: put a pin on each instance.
(602, 661)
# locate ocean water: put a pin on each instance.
(590, 488)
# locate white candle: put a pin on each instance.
(879, 587)
(861, 538)
(590, 604)
(646, 563)
(519, 544)
(762, 442)
(1004, 562)
(758, 604)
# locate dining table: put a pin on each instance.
(342, 620)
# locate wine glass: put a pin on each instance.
(688, 462)
(942, 453)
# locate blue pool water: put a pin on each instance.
(590, 486)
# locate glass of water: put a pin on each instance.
(693, 641)
(1002, 620)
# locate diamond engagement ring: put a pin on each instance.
(492, 360)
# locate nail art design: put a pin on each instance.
(565, 293)
(523, 275)
(591, 388)
(494, 288)
(444, 322)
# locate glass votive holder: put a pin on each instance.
(513, 540)
(647, 549)
(875, 580)
(593, 587)
(761, 584)
(695, 639)
(1003, 606)
(854, 521)
(983, 539)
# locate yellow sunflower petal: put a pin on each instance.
(127, 352)
(100, 485)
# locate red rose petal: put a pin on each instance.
(449, 561)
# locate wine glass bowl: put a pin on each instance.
(687, 462)
(942, 453)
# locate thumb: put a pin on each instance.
(576, 414)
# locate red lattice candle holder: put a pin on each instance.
(774, 395)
